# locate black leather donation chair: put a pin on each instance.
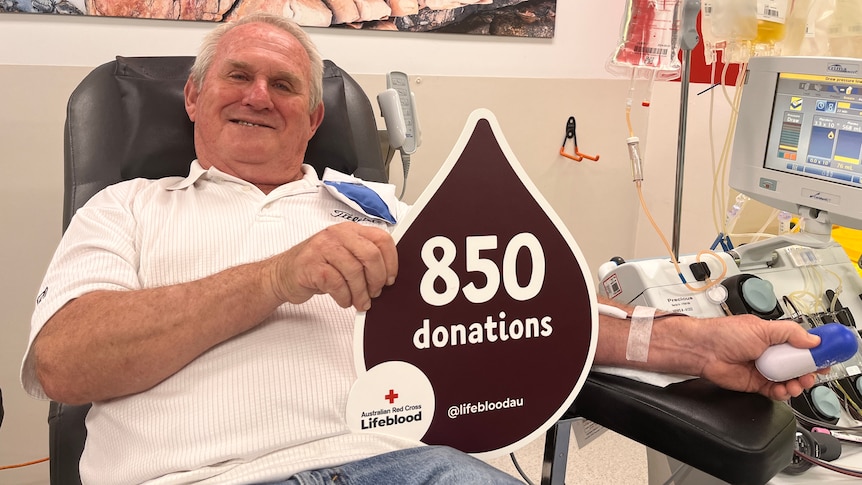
(127, 119)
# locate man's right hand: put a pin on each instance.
(350, 262)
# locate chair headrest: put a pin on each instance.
(127, 119)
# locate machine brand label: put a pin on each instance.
(821, 196)
(683, 304)
(843, 68)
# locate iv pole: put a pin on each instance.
(688, 40)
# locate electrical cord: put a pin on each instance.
(520, 470)
(405, 163)
(828, 466)
(823, 424)
(832, 427)
(21, 465)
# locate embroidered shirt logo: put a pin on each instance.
(349, 216)
(42, 295)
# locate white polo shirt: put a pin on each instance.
(258, 407)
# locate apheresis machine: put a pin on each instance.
(797, 148)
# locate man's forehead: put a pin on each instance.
(260, 37)
(245, 41)
(272, 70)
(258, 32)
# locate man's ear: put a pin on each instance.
(316, 118)
(190, 92)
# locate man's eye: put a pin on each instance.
(283, 86)
(238, 76)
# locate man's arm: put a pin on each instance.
(109, 344)
(722, 350)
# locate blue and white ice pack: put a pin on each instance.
(369, 198)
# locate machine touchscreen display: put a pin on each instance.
(816, 128)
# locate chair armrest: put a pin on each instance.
(740, 438)
(67, 433)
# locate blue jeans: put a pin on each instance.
(426, 465)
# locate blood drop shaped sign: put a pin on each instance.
(489, 332)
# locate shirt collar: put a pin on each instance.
(197, 172)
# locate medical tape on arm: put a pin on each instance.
(640, 331)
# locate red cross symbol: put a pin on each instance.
(391, 396)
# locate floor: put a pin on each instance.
(610, 459)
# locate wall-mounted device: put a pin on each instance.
(398, 107)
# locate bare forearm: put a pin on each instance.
(111, 344)
(673, 345)
(108, 344)
(722, 350)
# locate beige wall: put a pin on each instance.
(31, 151)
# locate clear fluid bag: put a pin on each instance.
(845, 29)
(712, 44)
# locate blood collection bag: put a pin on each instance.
(649, 41)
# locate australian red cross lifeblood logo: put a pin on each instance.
(492, 309)
(392, 416)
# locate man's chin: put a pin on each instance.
(253, 162)
(252, 154)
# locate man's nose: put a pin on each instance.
(257, 96)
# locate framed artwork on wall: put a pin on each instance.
(515, 18)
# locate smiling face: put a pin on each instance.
(251, 112)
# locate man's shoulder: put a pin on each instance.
(134, 189)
